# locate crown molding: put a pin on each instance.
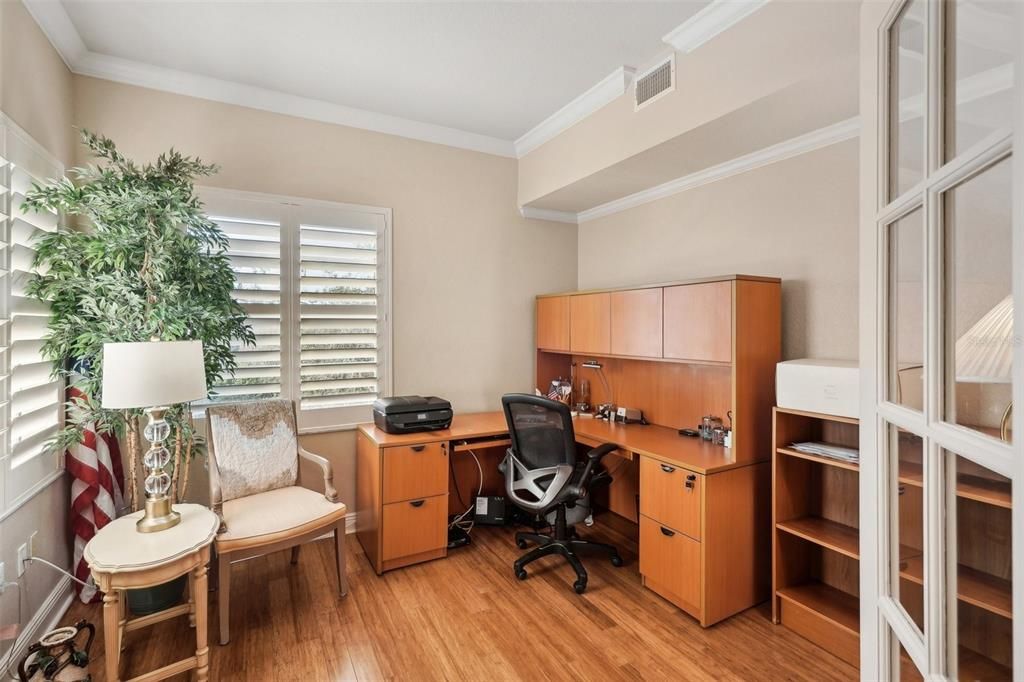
(548, 214)
(609, 88)
(823, 137)
(717, 17)
(55, 23)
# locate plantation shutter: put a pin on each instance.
(255, 253)
(31, 405)
(337, 316)
(310, 275)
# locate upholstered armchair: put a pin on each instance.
(269, 492)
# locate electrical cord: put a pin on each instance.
(83, 583)
(459, 521)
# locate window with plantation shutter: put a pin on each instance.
(337, 316)
(31, 402)
(255, 252)
(312, 276)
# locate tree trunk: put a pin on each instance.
(187, 463)
(131, 483)
(177, 465)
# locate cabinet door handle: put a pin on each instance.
(417, 503)
(417, 448)
(667, 469)
(666, 532)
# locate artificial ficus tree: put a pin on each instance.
(145, 265)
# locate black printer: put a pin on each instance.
(411, 413)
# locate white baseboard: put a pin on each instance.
(45, 619)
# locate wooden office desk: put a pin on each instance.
(704, 519)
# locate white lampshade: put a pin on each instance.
(152, 373)
(984, 354)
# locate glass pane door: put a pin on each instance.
(944, 342)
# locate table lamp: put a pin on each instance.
(984, 354)
(154, 375)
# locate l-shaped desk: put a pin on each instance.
(704, 518)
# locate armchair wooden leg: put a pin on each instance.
(339, 557)
(223, 595)
(295, 554)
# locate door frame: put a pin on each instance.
(876, 643)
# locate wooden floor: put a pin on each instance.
(467, 618)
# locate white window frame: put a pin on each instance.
(20, 484)
(275, 206)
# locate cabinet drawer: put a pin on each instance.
(671, 496)
(415, 471)
(670, 564)
(414, 526)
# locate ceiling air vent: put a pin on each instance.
(655, 82)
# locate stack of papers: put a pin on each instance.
(828, 450)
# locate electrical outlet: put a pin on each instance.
(3, 577)
(23, 558)
(32, 544)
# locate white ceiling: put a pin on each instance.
(492, 68)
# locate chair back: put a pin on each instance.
(540, 429)
(253, 447)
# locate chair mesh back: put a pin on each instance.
(540, 429)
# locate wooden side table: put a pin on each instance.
(121, 558)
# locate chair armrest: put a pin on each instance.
(316, 473)
(593, 458)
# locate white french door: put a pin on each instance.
(942, 264)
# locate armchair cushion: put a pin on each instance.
(271, 516)
(255, 446)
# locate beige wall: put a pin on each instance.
(467, 266)
(35, 84)
(779, 45)
(795, 219)
(36, 93)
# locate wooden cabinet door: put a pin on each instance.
(636, 323)
(415, 526)
(698, 322)
(412, 471)
(670, 564)
(671, 496)
(590, 323)
(553, 323)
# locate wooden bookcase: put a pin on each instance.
(816, 553)
(815, 546)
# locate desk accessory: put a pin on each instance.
(689, 433)
(154, 375)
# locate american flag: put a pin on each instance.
(95, 465)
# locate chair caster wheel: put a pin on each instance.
(580, 586)
(616, 560)
(521, 544)
(521, 573)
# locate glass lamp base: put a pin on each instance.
(159, 516)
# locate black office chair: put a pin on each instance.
(543, 478)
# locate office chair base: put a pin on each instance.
(567, 548)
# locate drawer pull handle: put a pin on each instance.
(691, 481)
(666, 532)
(417, 503)
(417, 448)
(667, 469)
